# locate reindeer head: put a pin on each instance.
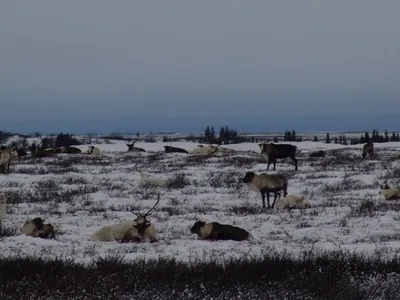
(130, 146)
(141, 221)
(248, 177)
(3, 198)
(38, 223)
(384, 186)
(197, 226)
(263, 146)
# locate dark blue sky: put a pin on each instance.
(100, 65)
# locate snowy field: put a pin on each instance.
(80, 193)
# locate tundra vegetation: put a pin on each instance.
(343, 247)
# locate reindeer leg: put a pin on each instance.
(274, 164)
(269, 162)
(263, 198)
(295, 163)
(276, 196)
(269, 206)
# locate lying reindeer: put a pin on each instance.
(292, 202)
(93, 150)
(72, 150)
(265, 184)
(390, 193)
(132, 148)
(37, 228)
(208, 150)
(148, 180)
(143, 230)
(132, 230)
(217, 231)
(170, 149)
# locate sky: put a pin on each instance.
(104, 66)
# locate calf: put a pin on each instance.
(291, 202)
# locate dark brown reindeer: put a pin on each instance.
(72, 150)
(216, 231)
(271, 152)
(171, 149)
(265, 184)
(132, 148)
(368, 148)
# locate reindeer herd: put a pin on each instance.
(141, 229)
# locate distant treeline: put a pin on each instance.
(224, 136)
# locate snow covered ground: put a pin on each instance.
(80, 193)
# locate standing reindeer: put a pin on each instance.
(368, 148)
(132, 148)
(271, 152)
(7, 156)
(266, 184)
(143, 229)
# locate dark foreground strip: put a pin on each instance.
(334, 275)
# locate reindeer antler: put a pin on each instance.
(138, 169)
(151, 209)
(213, 151)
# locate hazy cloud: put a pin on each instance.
(226, 59)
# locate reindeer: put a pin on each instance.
(390, 193)
(6, 157)
(41, 149)
(266, 184)
(218, 231)
(118, 232)
(368, 148)
(271, 152)
(143, 229)
(208, 150)
(132, 148)
(147, 180)
(37, 228)
(93, 150)
(170, 149)
(291, 202)
(72, 150)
